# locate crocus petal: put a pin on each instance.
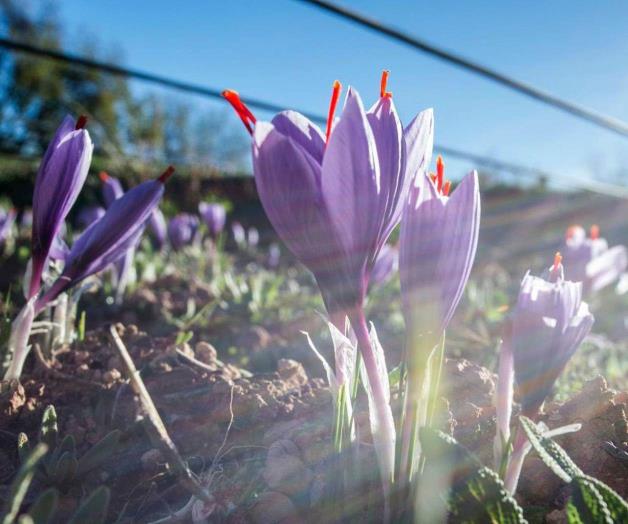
(350, 184)
(59, 180)
(419, 140)
(391, 154)
(288, 182)
(303, 131)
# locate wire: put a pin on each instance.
(491, 163)
(599, 119)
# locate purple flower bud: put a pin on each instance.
(7, 219)
(548, 323)
(59, 180)
(590, 260)
(439, 235)
(26, 220)
(89, 215)
(158, 228)
(182, 230)
(214, 216)
(107, 239)
(111, 188)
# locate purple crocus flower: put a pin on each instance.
(590, 260)
(109, 238)
(547, 325)
(111, 188)
(252, 237)
(182, 230)
(334, 198)
(7, 219)
(274, 256)
(88, 215)
(158, 228)
(214, 216)
(59, 180)
(439, 236)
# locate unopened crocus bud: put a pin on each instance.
(590, 260)
(214, 217)
(89, 215)
(252, 237)
(274, 256)
(182, 230)
(111, 188)
(59, 180)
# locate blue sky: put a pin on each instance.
(289, 53)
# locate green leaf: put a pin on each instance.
(99, 452)
(617, 507)
(49, 431)
(43, 509)
(94, 508)
(589, 502)
(551, 453)
(482, 498)
(21, 483)
(477, 495)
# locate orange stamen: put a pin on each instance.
(594, 232)
(446, 188)
(80, 122)
(571, 230)
(558, 259)
(433, 178)
(103, 176)
(335, 95)
(248, 118)
(166, 174)
(440, 173)
(382, 86)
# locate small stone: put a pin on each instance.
(205, 352)
(152, 461)
(284, 470)
(112, 376)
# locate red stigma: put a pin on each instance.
(558, 259)
(382, 86)
(447, 188)
(335, 95)
(440, 173)
(166, 174)
(571, 231)
(594, 232)
(248, 118)
(80, 122)
(103, 176)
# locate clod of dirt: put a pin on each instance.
(273, 507)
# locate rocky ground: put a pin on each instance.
(260, 443)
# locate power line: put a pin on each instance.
(491, 163)
(599, 119)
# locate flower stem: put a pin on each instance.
(18, 342)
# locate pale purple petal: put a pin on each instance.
(303, 131)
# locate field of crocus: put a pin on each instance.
(396, 347)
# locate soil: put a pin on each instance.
(260, 443)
